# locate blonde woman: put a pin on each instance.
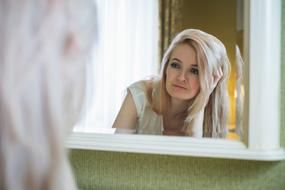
(43, 50)
(190, 97)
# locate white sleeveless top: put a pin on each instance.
(148, 121)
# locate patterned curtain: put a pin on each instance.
(170, 22)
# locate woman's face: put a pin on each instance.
(182, 74)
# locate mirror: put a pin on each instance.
(128, 52)
(261, 129)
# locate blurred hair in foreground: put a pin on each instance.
(44, 46)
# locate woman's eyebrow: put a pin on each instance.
(176, 59)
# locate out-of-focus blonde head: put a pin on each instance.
(43, 51)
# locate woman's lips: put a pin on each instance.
(179, 86)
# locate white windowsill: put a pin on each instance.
(149, 144)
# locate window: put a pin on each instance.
(126, 51)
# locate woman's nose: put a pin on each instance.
(182, 76)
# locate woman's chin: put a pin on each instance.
(182, 97)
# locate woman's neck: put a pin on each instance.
(174, 117)
(178, 107)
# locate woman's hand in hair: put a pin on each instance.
(216, 78)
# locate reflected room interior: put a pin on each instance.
(133, 52)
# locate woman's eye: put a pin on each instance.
(194, 71)
(175, 65)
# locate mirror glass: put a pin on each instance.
(132, 37)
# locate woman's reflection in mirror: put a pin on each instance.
(189, 98)
(44, 45)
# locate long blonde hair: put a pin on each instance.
(43, 49)
(211, 55)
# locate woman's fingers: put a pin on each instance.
(217, 77)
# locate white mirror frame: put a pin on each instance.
(262, 103)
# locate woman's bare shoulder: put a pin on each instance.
(149, 85)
